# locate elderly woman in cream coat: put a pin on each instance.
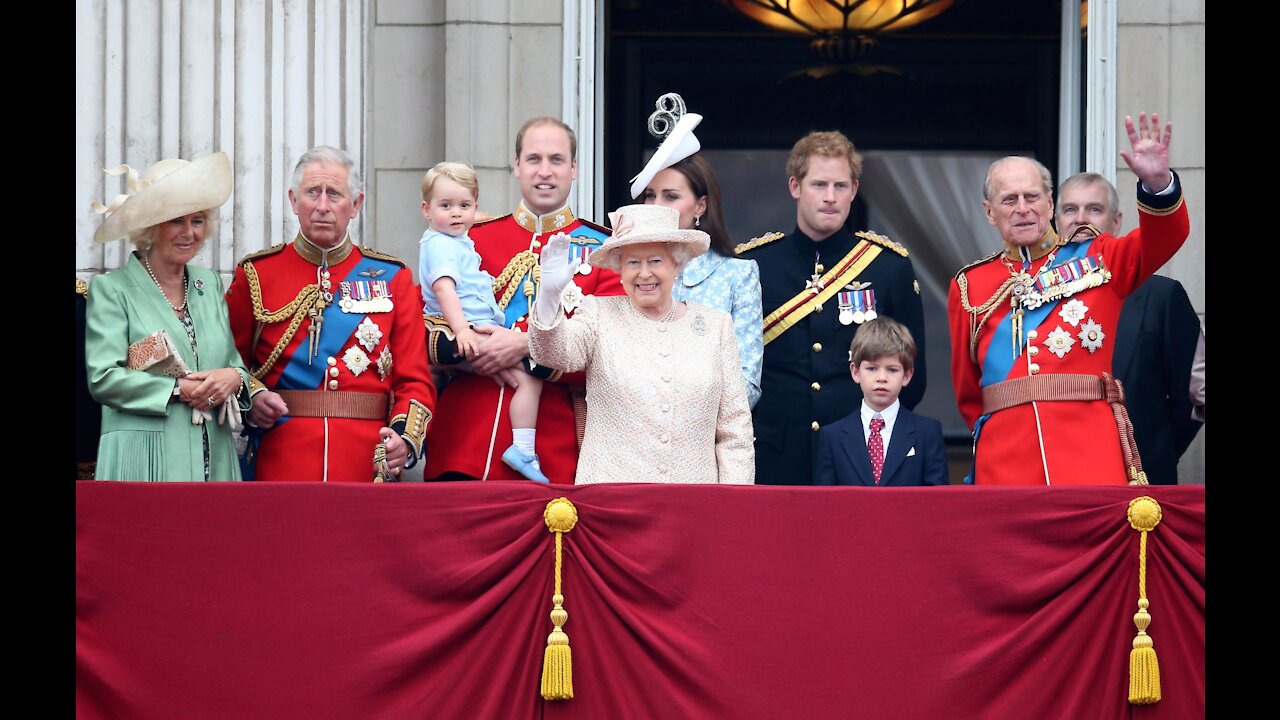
(665, 396)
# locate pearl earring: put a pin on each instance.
(697, 221)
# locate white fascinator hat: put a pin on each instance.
(675, 127)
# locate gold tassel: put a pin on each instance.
(557, 661)
(1144, 668)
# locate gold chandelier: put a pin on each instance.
(843, 31)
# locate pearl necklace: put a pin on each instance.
(146, 262)
(671, 312)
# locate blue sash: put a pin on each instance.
(518, 307)
(299, 374)
(998, 362)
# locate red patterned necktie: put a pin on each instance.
(875, 447)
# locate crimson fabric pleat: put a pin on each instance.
(432, 601)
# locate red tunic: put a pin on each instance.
(394, 364)
(476, 425)
(1075, 442)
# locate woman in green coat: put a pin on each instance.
(154, 426)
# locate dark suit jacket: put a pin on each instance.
(1155, 341)
(843, 459)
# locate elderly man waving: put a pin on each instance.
(1033, 325)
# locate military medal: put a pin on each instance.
(814, 284)
(368, 333)
(870, 313)
(845, 301)
(571, 297)
(578, 256)
(365, 296)
(859, 316)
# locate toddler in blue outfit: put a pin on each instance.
(454, 286)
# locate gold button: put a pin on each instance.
(333, 372)
(537, 244)
(1033, 351)
(817, 347)
(818, 268)
(816, 387)
(814, 426)
(817, 308)
(333, 384)
(332, 361)
(1034, 368)
(520, 319)
(1032, 334)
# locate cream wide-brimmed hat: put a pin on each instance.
(169, 189)
(675, 126)
(637, 224)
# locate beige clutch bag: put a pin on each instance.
(157, 354)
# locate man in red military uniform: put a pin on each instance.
(333, 336)
(1032, 326)
(477, 428)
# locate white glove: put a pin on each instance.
(200, 416)
(229, 414)
(557, 273)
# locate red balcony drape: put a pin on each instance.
(432, 601)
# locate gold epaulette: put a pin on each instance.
(377, 255)
(262, 253)
(82, 287)
(979, 261)
(883, 241)
(756, 242)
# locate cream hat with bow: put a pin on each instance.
(637, 224)
(168, 189)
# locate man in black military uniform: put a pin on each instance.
(818, 284)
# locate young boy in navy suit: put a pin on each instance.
(883, 443)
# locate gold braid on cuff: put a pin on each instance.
(415, 425)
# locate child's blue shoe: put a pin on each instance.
(526, 465)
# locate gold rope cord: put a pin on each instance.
(307, 298)
(516, 268)
(975, 326)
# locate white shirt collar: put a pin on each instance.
(889, 414)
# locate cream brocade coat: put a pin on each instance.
(666, 401)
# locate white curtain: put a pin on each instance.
(931, 202)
